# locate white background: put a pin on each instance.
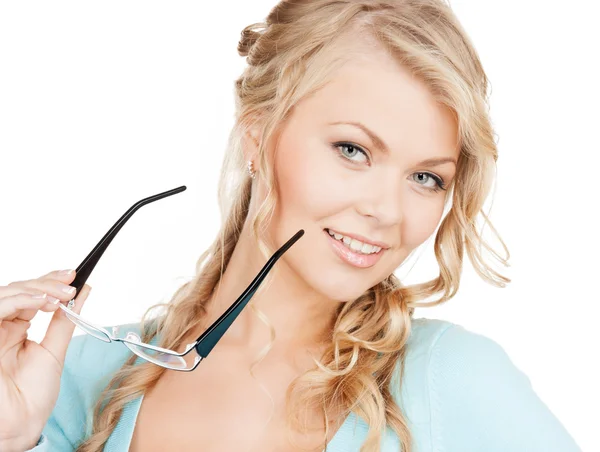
(105, 103)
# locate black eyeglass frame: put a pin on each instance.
(209, 338)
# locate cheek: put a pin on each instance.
(420, 222)
(309, 182)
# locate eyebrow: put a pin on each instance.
(381, 144)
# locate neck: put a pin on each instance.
(299, 316)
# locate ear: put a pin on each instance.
(250, 142)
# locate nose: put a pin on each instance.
(382, 200)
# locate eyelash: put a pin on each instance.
(438, 180)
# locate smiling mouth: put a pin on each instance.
(354, 245)
(353, 257)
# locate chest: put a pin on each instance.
(222, 407)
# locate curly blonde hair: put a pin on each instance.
(285, 63)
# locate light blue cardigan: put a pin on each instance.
(461, 393)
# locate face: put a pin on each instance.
(348, 161)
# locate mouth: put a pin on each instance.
(352, 251)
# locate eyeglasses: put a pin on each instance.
(185, 361)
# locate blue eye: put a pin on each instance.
(439, 183)
(349, 152)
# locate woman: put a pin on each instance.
(357, 122)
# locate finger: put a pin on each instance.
(60, 275)
(11, 307)
(52, 287)
(66, 276)
(51, 283)
(60, 329)
(26, 314)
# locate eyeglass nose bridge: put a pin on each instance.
(164, 358)
(188, 347)
(135, 338)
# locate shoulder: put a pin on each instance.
(446, 351)
(441, 353)
(450, 361)
(454, 361)
(461, 390)
(448, 365)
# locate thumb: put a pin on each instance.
(60, 329)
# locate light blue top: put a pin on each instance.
(461, 393)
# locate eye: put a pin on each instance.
(356, 154)
(349, 151)
(438, 182)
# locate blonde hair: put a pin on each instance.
(369, 336)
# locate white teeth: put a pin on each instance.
(354, 244)
(366, 248)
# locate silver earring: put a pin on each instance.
(251, 169)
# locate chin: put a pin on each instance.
(338, 288)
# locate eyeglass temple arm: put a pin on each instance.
(84, 269)
(214, 332)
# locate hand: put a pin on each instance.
(30, 372)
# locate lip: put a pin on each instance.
(352, 258)
(360, 238)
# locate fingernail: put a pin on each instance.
(39, 295)
(69, 289)
(65, 272)
(51, 299)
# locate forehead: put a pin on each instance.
(374, 89)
